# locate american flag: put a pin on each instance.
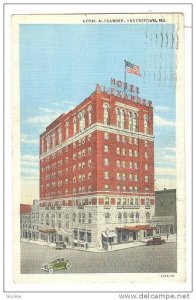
(131, 68)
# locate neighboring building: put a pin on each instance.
(97, 172)
(35, 220)
(165, 211)
(25, 221)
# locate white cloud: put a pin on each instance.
(161, 108)
(27, 140)
(159, 121)
(173, 149)
(165, 171)
(29, 157)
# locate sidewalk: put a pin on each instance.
(171, 239)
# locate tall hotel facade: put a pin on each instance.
(97, 172)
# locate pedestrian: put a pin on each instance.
(167, 236)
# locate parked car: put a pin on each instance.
(57, 264)
(60, 245)
(155, 241)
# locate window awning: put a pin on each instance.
(111, 234)
(136, 228)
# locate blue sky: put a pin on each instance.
(60, 66)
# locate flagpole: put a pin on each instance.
(125, 77)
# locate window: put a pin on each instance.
(130, 165)
(74, 126)
(106, 161)
(124, 188)
(146, 189)
(106, 187)
(146, 124)
(132, 217)
(147, 202)
(145, 143)
(119, 201)
(131, 176)
(105, 148)
(147, 217)
(81, 117)
(67, 130)
(89, 137)
(89, 175)
(123, 116)
(89, 114)
(146, 155)
(89, 150)
(89, 218)
(118, 163)
(146, 178)
(136, 153)
(106, 176)
(137, 216)
(118, 150)
(83, 217)
(131, 189)
(107, 202)
(125, 217)
(107, 218)
(118, 118)
(130, 140)
(89, 188)
(106, 135)
(123, 139)
(83, 152)
(136, 201)
(130, 152)
(120, 217)
(74, 145)
(136, 177)
(118, 138)
(105, 114)
(123, 151)
(135, 141)
(146, 167)
(123, 176)
(89, 163)
(136, 165)
(53, 139)
(123, 164)
(118, 176)
(118, 188)
(135, 121)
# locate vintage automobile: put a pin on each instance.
(57, 264)
(60, 245)
(155, 241)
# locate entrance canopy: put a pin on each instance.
(110, 235)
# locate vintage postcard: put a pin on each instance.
(98, 146)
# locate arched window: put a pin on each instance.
(130, 120)
(53, 220)
(60, 135)
(67, 130)
(107, 217)
(135, 122)
(120, 217)
(81, 117)
(137, 216)
(146, 124)
(48, 142)
(89, 115)
(132, 217)
(42, 146)
(118, 118)
(125, 217)
(123, 118)
(147, 217)
(47, 219)
(74, 126)
(106, 114)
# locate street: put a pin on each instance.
(143, 259)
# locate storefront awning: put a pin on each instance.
(47, 230)
(110, 235)
(136, 228)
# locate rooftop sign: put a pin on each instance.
(123, 90)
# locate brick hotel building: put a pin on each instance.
(97, 173)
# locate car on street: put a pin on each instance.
(155, 241)
(57, 264)
(60, 245)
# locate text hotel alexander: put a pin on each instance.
(113, 20)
